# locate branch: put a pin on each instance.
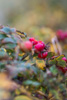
(21, 33)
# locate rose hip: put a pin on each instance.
(61, 34)
(39, 47)
(64, 70)
(31, 39)
(64, 58)
(42, 43)
(42, 55)
(34, 42)
(26, 46)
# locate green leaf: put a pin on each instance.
(8, 40)
(33, 83)
(2, 53)
(13, 30)
(61, 63)
(56, 94)
(35, 70)
(53, 69)
(50, 54)
(2, 65)
(10, 46)
(6, 30)
(43, 89)
(60, 57)
(2, 36)
(62, 87)
(52, 62)
(22, 97)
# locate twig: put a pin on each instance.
(46, 97)
(24, 56)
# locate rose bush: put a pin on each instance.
(20, 58)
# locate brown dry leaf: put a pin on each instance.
(6, 83)
(4, 95)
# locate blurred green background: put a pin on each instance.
(31, 15)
